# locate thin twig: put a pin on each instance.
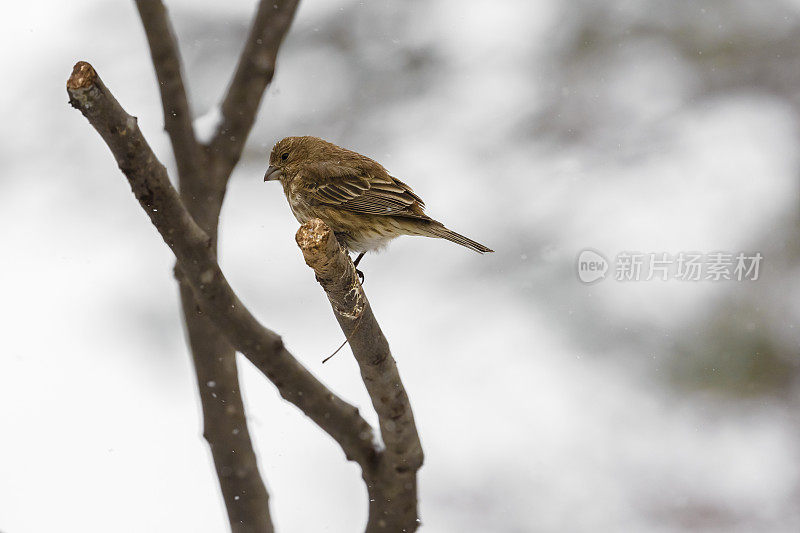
(345, 341)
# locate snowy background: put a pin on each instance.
(536, 127)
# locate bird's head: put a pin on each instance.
(290, 154)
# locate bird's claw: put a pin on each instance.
(360, 276)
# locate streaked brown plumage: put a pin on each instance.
(351, 193)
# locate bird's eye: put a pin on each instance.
(284, 156)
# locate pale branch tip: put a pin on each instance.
(83, 75)
(317, 242)
(333, 268)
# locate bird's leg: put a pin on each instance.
(358, 259)
(355, 264)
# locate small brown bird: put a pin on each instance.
(354, 195)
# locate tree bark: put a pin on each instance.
(224, 422)
(392, 479)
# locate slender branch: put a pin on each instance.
(166, 60)
(253, 74)
(392, 483)
(199, 268)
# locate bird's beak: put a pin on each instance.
(273, 173)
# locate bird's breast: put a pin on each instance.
(298, 205)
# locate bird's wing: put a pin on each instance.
(369, 194)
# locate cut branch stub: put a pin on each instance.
(334, 270)
(83, 75)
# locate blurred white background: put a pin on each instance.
(536, 127)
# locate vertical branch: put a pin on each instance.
(214, 359)
(224, 421)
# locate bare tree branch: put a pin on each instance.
(217, 322)
(198, 266)
(392, 483)
(166, 60)
(253, 73)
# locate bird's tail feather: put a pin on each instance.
(437, 230)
